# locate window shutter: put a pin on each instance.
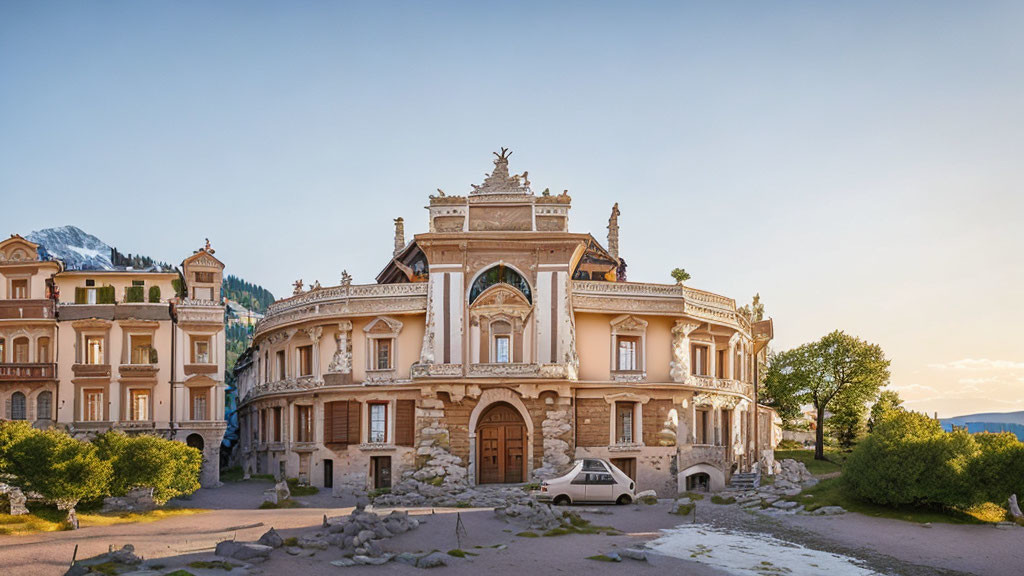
(405, 417)
(354, 418)
(7, 409)
(328, 422)
(339, 422)
(80, 296)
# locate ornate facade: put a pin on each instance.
(134, 350)
(498, 347)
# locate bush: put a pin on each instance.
(134, 294)
(154, 294)
(105, 295)
(170, 468)
(12, 432)
(909, 461)
(59, 467)
(998, 469)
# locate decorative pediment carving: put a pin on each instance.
(501, 300)
(383, 325)
(17, 249)
(627, 323)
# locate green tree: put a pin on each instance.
(997, 471)
(837, 366)
(12, 432)
(680, 275)
(60, 468)
(145, 461)
(888, 400)
(848, 417)
(783, 388)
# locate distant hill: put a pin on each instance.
(253, 297)
(988, 422)
(78, 250)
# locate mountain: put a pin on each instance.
(79, 250)
(988, 422)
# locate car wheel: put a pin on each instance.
(561, 500)
(624, 499)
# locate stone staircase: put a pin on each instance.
(745, 481)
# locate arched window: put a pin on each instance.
(18, 406)
(44, 402)
(500, 274)
(21, 350)
(43, 349)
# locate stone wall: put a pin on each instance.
(659, 428)
(593, 422)
(556, 453)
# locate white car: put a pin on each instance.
(590, 480)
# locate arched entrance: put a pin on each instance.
(501, 445)
(195, 441)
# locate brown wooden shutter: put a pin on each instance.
(328, 423)
(405, 419)
(354, 418)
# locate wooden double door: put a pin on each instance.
(501, 441)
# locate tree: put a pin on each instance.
(145, 461)
(888, 401)
(837, 366)
(782, 389)
(12, 432)
(848, 418)
(680, 275)
(60, 468)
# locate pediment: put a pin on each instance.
(17, 249)
(628, 323)
(501, 296)
(383, 325)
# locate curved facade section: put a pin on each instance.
(517, 348)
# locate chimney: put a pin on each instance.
(613, 232)
(399, 235)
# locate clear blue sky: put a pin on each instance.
(859, 164)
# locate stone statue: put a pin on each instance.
(346, 278)
(315, 286)
(297, 285)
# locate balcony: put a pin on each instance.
(27, 372)
(138, 370)
(192, 369)
(27, 310)
(91, 370)
(120, 311)
(629, 376)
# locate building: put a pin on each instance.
(28, 332)
(496, 348)
(133, 350)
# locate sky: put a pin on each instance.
(857, 164)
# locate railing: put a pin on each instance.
(641, 289)
(91, 370)
(371, 298)
(25, 371)
(26, 309)
(342, 292)
(721, 385)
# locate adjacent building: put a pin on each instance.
(126, 349)
(497, 348)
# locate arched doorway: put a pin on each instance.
(195, 441)
(501, 445)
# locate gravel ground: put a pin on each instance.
(887, 546)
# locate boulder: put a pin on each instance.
(12, 500)
(271, 538)
(433, 560)
(1015, 508)
(243, 550)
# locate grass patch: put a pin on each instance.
(42, 518)
(463, 504)
(214, 565)
(109, 568)
(649, 500)
(291, 541)
(179, 573)
(835, 461)
(531, 487)
(601, 558)
(578, 525)
(528, 534)
(299, 490)
(830, 492)
(458, 553)
(695, 496)
(233, 474)
(716, 499)
(286, 503)
(683, 509)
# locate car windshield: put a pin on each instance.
(594, 466)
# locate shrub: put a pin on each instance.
(154, 294)
(105, 295)
(134, 294)
(179, 287)
(170, 468)
(12, 432)
(59, 467)
(909, 460)
(998, 468)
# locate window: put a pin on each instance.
(305, 360)
(139, 404)
(92, 405)
(204, 277)
(378, 423)
(501, 349)
(280, 365)
(19, 289)
(90, 293)
(500, 274)
(18, 406)
(3, 351)
(277, 423)
(141, 346)
(21, 350)
(703, 426)
(263, 431)
(627, 352)
(304, 423)
(44, 405)
(90, 283)
(201, 350)
(202, 293)
(199, 397)
(94, 350)
(43, 350)
(699, 360)
(624, 422)
(720, 365)
(138, 282)
(382, 353)
(266, 366)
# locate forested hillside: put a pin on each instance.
(253, 297)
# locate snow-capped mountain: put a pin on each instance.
(78, 249)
